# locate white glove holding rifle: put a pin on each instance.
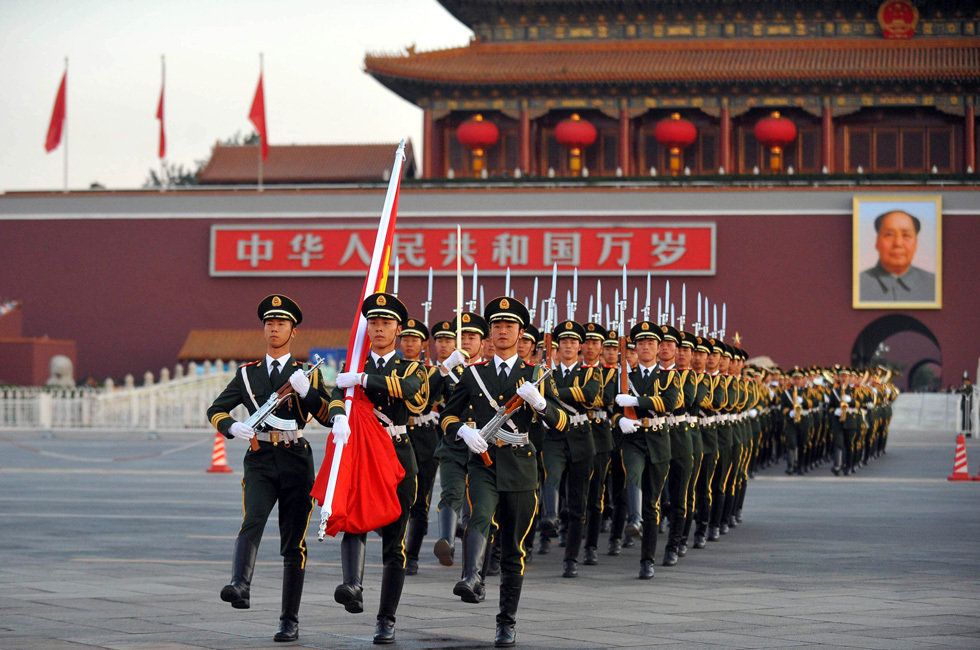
(457, 358)
(472, 438)
(529, 393)
(239, 430)
(300, 383)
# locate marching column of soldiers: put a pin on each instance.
(578, 429)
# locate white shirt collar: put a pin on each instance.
(386, 358)
(670, 367)
(282, 362)
(509, 361)
(646, 369)
(564, 367)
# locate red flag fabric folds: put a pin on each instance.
(163, 136)
(365, 497)
(257, 116)
(57, 117)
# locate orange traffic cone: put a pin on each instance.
(219, 462)
(960, 470)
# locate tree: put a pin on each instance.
(176, 175)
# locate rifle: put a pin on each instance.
(264, 414)
(491, 431)
(624, 366)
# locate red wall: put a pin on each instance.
(27, 362)
(129, 291)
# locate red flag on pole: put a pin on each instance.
(257, 116)
(57, 117)
(163, 136)
(356, 489)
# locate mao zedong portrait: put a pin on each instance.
(894, 278)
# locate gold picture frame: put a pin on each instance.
(897, 252)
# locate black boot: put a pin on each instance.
(470, 589)
(413, 544)
(493, 563)
(392, 581)
(648, 547)
(510, 596)
(242, 565)
(350, 593)
(634, 523)
(572, 547)
(686, 535)
(549, 516)
(445, 546)
(292, 592)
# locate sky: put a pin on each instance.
(316, 91)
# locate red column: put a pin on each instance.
(827, 138)
(524, 140)
(428, 144)
(970, 148)
(624, 140)
(726, 137)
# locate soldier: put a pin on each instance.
(505, 488)
(793, 402)
(708, 383)
(646, 440)
(724, 472)
(571, 450)
(691, 345)
(617, 470)
(424, 432)
(527, 349)
(598, 413)
(279, 463)
(398, 388)
(451, 452)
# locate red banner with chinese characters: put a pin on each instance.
(527, 249)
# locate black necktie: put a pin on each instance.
(646, 373)
(567, 370)
(502, 375)
(274, 375)
(379, 364)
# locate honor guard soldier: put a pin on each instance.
(571, 450)
(527, 349)
(693, 402)
(598, 412)
(452, 453)
(617, 470)
(502, 474)
(424, 432)
(793, 403)
(701, 513)
(724, 469)
(278, 465)
(646, 440)
(681, 446)
(398, 389)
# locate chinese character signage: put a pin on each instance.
(527, 249)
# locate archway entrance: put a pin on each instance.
(903, 343)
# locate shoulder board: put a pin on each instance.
(250, 363)
(529, 364)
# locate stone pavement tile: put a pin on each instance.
(837, 639)
(598, 637)
(949, 641)
(916, 629)
(35, 643)
(724, 639)
(147, 645)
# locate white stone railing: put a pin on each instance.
(172, 405)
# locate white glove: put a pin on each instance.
(457, 358)
(792, 413)
(472, 438)
(239, 430)
(300, 383)
(874, 390)
(348, 379)
(341, 430)
(529, 393)
(799, 399)
(847, 399)
(826, 399)
(753, 413)
(627, 400)
(626, 425)
(871, 405)
(837, 412)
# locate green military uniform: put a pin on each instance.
(505, 489)
(617, 468)
(570, 452)
(598, 413)
(398, 389)
(792, 403)
(681, 464)
(277, 468)
(452, 453)
(692, 410)
(646, 451)
(424, 432)
(724, 468)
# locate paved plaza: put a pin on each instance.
(123, 541)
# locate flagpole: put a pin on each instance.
(65, 165)
(261, 76)
(163, 161)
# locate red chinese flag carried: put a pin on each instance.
(57, 117)
(163, 136)
(357, 482)
(257, 116)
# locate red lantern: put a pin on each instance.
(476, 135)
(575, 134)
(775, 132)
(675, 133)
